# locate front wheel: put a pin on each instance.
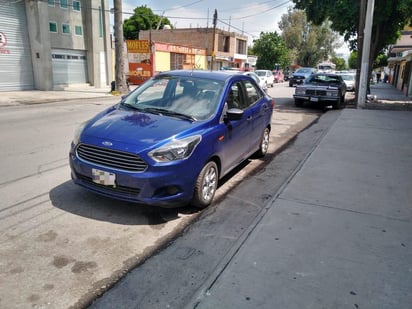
(206, 185)
(264, 144)
(298, 102)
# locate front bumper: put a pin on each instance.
(163, 185)
(312, 98)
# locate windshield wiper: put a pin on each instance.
(162, 111)
(180, 115)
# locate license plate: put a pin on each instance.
(103, 177)
(314, 99)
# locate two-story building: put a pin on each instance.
(47, 44)
(400, 62)
(223, 48)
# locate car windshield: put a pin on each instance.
(176, 96)
(323, 79)
(305, 70)
(261, 73)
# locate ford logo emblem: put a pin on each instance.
(107, 143)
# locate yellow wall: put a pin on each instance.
(162, 61)
(200, 62)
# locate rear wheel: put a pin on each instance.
(206, 185)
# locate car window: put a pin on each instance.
(252, 94)
(234, 97)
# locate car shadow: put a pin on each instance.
(78, 201)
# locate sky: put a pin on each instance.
(243, 16)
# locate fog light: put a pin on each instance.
(167, 191)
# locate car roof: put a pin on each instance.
(214, 75)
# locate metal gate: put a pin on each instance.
(69, 67)
(16, 68)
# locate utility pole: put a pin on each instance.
(361, 27)
(213, 40)
(364, 73)
(120, 79)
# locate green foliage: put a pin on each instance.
(142, 19)
(353, 60)
(271, 50)
(310, 43)
(340, 63)
(380, 61)
(389, 18)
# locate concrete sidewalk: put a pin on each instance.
(339, 233)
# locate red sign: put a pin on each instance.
(3, 42)
(140, 62)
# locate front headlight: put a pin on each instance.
(300, 91)
(78, 132)
(179, 149)
(332, 93)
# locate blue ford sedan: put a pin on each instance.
(168, 142)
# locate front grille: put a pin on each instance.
(316, 92)
(117, 188)
(111, 158)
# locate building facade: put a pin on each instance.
(229, 49)
(48, 44)
(400, 62)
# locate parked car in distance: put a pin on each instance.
(299, 76)
(278, 76)
(168, 142)
(323, 88)
(259, 81)
(266, 76)
(350, 80)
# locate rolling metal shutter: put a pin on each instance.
(16, 69)
(69, 67)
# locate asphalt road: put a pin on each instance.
(61, 246)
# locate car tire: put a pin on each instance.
(340, 103)
(298, 102)
(206, 185)
(290, 84)
(264, 144)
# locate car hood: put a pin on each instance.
(128, 127)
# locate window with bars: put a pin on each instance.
(76, 6)
(78, 30)
(53, 26)
(64, 4)
(66, 28)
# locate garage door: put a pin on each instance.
(15, 55)
(69, 67)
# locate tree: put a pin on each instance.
(380, 61)
(142, 19)
(310, 43)
(271, 51)
(389, 18)
(353, 60)
(340, 63)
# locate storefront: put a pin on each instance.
(144, 61)
(15, 54)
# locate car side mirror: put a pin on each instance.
(234, 114)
